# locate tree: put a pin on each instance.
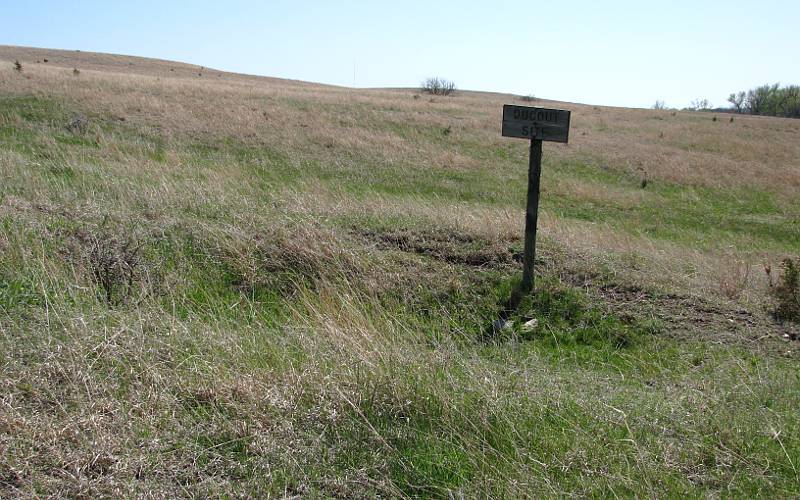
(659, 105)
(765, 100)
(737, 100)
(700, 105)
(792, 103)
(769, 100)
(438, 86)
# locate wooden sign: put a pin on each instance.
(544, 124)
(536, 124)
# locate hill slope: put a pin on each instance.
(222, 284)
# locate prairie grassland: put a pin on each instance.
(222, 285)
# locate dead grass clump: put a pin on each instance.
(281, 258)
(785, 291)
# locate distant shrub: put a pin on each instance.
(76, 71)
(528, 98)
(659, 105)
(785, 291)
(438, 86)
(17, 66)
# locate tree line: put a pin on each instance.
(770, 100)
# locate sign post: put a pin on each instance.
(536, 124)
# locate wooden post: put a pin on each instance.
(536, 124)
(531, 215)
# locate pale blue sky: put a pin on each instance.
(625, 53)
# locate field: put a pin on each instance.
(223, 285)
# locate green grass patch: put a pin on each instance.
(33, 109)
(16, 293)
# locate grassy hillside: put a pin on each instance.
(215, 284)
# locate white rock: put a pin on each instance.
(530, 326)
(502, 324)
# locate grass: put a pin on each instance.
(252, 287)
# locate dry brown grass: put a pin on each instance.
(688, 148)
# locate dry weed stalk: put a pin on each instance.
(734, 277)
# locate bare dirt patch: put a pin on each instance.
(691, 317)
(446, 246)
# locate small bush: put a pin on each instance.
(786, 291)
(438, 86)
(528, 98)
(112, 260)
(116, 267)
(17, 67)
(78, 125)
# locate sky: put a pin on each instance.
(617, 53)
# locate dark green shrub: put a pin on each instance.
(785, 291)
